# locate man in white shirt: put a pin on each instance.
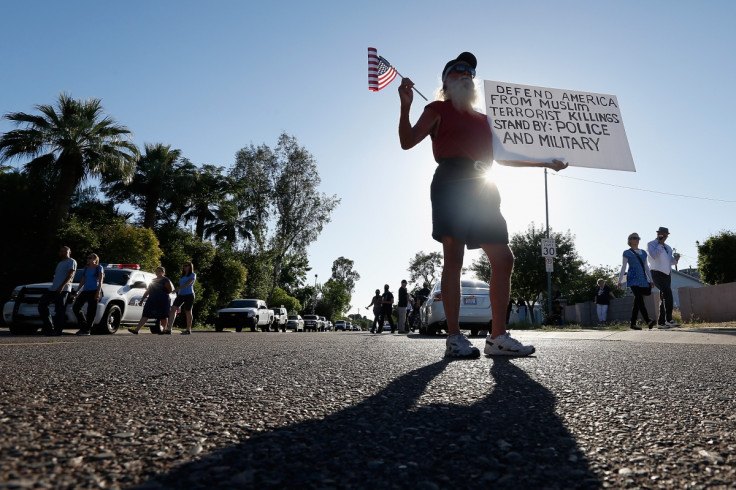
(661, 260)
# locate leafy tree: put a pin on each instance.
(276, 192)
(482, 269)
(208, 189)
(716, 258)
(425, 267)
(280, 297)
(529, 278)
(24, 207)
(294, 269)
(581, 287)
(342, 272)
(69, 144)
(127, 244)
(334, 300)
(154, 182)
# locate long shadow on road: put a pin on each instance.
(509, 439)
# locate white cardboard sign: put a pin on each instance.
(537, 123)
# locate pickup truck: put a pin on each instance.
(244, 313)
(280, 317)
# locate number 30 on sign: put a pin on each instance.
(548, 247)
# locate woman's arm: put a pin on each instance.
(623, 271)
(187, 284)
(555, 164)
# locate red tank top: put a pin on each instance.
(461, 134)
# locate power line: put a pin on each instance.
(644, 190)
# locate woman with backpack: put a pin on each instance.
(638, 278)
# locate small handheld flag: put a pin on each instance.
(381, 72)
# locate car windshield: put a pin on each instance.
(310, 317)
(243, 303)
(293, 317)
(113, 276)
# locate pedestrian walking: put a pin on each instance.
(158, 305)
(184, 297)
(661, 260)
(402, 306)
(638, 278)
(88, 293)
(376, 304)
(57, 293)
(603, 295)
(465, 205)
(387, 308)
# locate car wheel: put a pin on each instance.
(110, 322)
(218, 327)
(239, 328)
(431, 329)
(156, 327)
(23, 329)
(474, 332)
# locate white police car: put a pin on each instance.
(122, 289)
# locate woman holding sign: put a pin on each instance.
(465, 205)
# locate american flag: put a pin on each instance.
(380, 71)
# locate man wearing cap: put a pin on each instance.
(661, 260)
(465, 205)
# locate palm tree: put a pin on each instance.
(153, 183)
(69, 144)
(209, 189)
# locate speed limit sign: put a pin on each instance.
(548, 247)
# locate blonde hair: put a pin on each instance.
(96, 258)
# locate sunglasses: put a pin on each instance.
(462, 69)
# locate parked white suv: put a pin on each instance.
(244, 313)
(122, 289)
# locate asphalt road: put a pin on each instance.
(651, 409)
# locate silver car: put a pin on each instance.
(475, 308)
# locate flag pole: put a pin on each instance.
(402, 76)
(414, 87)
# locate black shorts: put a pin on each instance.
(466, 206)
(186, 301)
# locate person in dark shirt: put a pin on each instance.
(402, 305)
(603, 295)
(376, 304)
(387, 306)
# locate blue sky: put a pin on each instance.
(212, 77)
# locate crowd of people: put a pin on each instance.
(465, 213)
(157, 304)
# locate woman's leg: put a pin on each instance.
(453, 262)
(502, 264)
(637, 304)
(91, 309)
(172, 314)
(188, 315)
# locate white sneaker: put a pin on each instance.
(665, 326)
(459, 346)
(504, 345)
(672, 323)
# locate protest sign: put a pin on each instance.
(538, 124)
